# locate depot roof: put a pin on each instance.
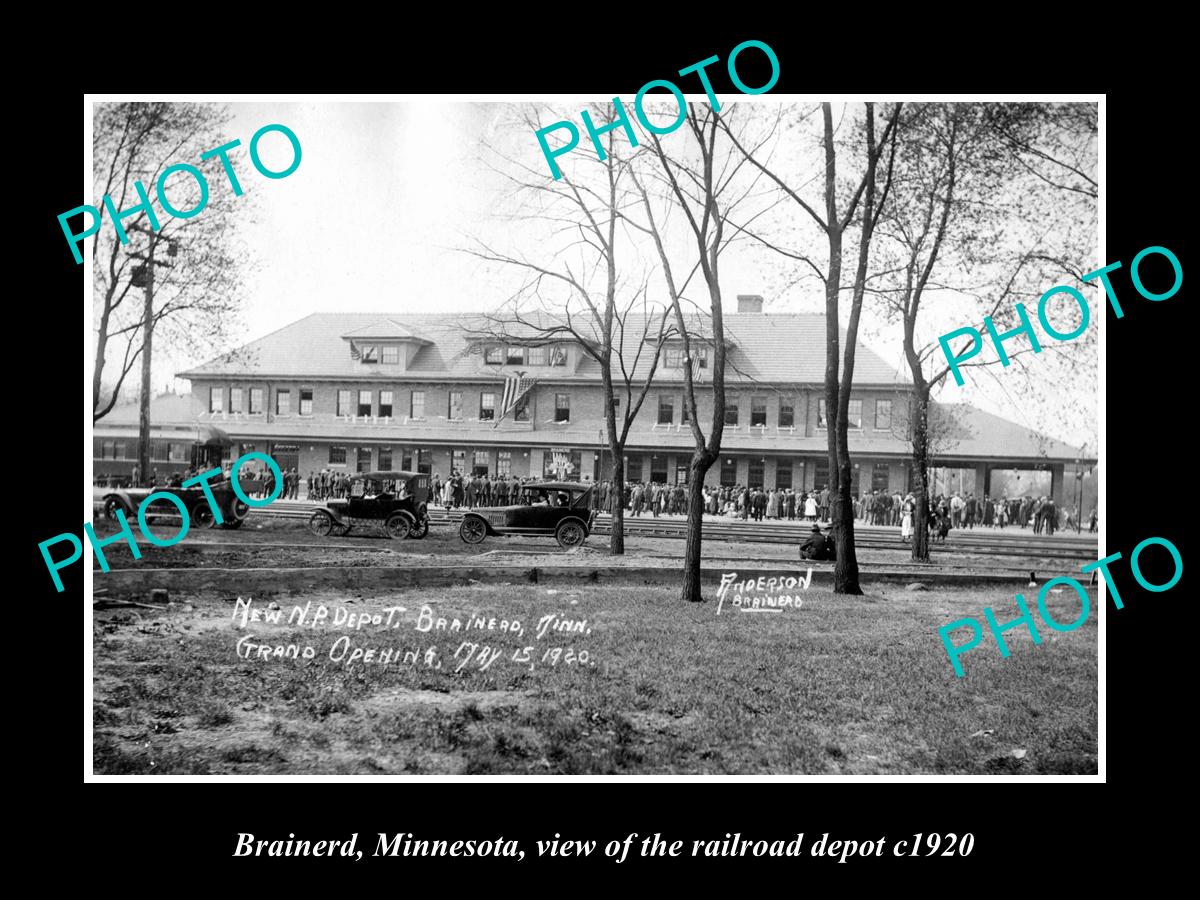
(762, 347)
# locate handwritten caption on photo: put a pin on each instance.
(481, 643)
(758, 594)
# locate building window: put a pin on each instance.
(158, 451)
(177, 452)
(108, 449)
(731, 411)
(417, 405)
(364, 403)
(390, 355)
(728, 471)
(783, 474)
(385, 406)
(482, 461)
(385, 458)
(406, 459)
(666, 410)
(879, 477)
(633, 468)
(758, 410)
(370, 355)
(537, 356)
(658, 469)
(458, 461)
(558, 355)
(235, 400)
(854, 414)
(515, 356)
(521, 410)
(283, 402)
(883, 415)
(562, 407)
(755, 478)
(503, 463)
(562, 464)
(216, 400)
(672, 357)
(487, 407)
(822, 420)
(425, 461)
(454, 411)
(337, 456)
(787, 414)
(684, 419)
(364, 459)
(702, 355)
(493, 355)
(821, 474)
(343, 403)
(306, 397)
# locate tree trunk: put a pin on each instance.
(845, 568)
(691, 560)
(616, 540)
(920, 465)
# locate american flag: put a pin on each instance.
(355, 353)
(516, 386)
(696, 370)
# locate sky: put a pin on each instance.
(386, 193)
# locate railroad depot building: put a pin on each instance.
(362, 391)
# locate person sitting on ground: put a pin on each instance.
(818, 545)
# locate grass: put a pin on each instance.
(841, 685)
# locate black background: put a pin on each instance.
(185, 834)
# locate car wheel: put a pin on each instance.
(202, 515)
(472, 530)
(398, 526)
(232, 524)
(570, 534)
(420, 529)
(320, 524)
(111, 505)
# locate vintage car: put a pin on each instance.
(397, 500)
(560, 508)
(233, 509)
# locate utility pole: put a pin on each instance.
(144, 275)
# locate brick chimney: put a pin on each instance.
(749, 303)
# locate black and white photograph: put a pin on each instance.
(690, 435)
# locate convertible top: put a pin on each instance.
(384, 476)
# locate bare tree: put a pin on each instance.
(862, 207)
(971, 212)
(194, 299)
(572, 288)
(702, 181)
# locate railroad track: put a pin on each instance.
(1011, 543)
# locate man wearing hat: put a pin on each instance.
(818, 545)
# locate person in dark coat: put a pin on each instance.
(818, 545)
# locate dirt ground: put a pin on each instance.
(622, 680)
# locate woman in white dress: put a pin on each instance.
(906, 518)
(810, 508)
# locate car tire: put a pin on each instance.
(202, 515)
(112, 504)
(320, 524)
(232, 524)
(398, 526)
(570, 533)
(420, 529)
(472, 530)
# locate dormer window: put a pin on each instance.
(390, 355)
(515, 356)
(493, 355)
(558, 355)
(369, 354)
(537, 356)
